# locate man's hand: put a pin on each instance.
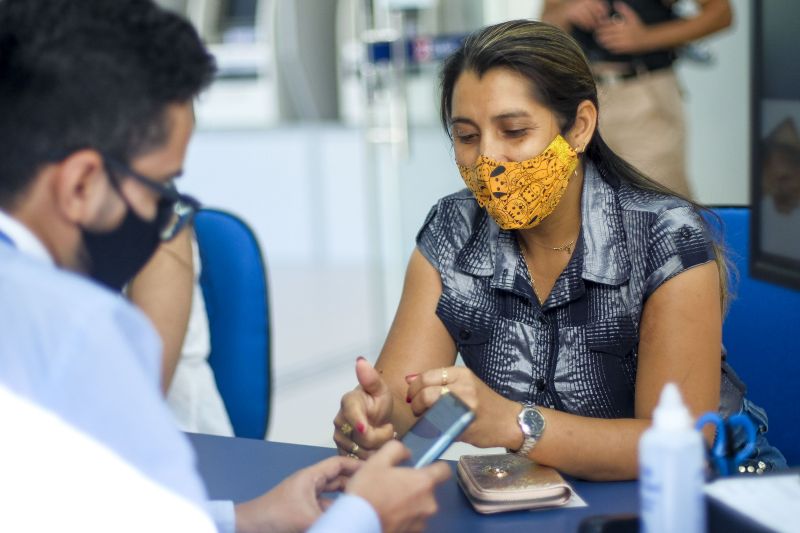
(403, 497)
(362, 424)
(296, 502)
(624, 33)
(584, 14)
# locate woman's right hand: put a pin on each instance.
(363, 423)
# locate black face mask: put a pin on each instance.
(116, 256)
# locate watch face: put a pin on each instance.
(534, 420)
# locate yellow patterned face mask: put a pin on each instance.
(519, 195)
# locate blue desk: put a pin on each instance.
(240, 469)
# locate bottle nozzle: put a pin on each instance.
(671, 413)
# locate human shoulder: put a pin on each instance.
(456, 213)
(450, 224)
(56, 305)
(62, 291)
(639, 200)
(666, 232)
(661, 211)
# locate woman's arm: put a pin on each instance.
(585, 14)
(629, 35)
(163, 290)
(417, 340)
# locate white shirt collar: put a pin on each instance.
(23, 238)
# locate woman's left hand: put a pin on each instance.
(495, 416)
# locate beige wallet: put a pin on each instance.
(508, 482)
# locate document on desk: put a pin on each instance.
(770, 500)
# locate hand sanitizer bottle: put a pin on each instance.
(671, 463)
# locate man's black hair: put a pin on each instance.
(94, 74)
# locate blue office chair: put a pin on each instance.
(234, 284)
(761, 335)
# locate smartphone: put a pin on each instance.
(436, 430)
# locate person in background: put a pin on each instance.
(95, 117)
(631, 47)
(573, 287)
(168, 291)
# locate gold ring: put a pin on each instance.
(444, 390)
(346, 429)
(444, 377)
(354, 449)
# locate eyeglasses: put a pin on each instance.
(179, 208)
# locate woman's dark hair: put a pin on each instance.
(97, 74)
(561, 79)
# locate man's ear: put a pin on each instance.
(585, 124)
(80, 187)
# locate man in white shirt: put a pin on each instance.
(95, 116)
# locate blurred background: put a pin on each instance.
(322, 132)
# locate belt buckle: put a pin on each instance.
(616, 77)
(609, 78)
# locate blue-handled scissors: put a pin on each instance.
(723, 458)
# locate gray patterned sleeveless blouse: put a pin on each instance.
(577, 352)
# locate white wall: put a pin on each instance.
(718, 113)
(300, 187)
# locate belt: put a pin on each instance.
(628, 71)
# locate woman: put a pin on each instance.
(168, 290)
(573, 287)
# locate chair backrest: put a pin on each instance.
(762, 338)
(234, 284)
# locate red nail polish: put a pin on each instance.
(408, 399)
(360, 427)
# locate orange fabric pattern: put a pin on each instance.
(519, 195)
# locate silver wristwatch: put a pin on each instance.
(532, 424)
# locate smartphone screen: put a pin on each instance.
(433, 433)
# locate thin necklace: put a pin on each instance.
(563, 248)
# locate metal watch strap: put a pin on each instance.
(527, 446)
